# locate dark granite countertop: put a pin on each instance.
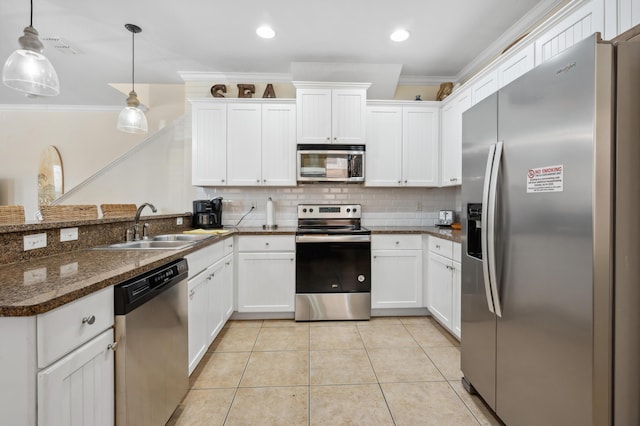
(39, 285)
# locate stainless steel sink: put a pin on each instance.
(180, 237)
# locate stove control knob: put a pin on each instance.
(310, 210)
(354, 210)
(348, 210)
(304, 210)
(361, 278)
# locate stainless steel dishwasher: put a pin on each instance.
(151, 361)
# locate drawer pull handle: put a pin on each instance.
(266, 244)
(113, 346)
(89, 320)
(437, 246)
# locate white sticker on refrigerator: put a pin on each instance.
(545, 179)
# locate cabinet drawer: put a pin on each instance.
(441, 247)
(69, 326)
(200, 260)
(457, 252)
(396, 241)
(267, 243)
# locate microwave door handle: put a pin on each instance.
(484, 224)
(491, 232)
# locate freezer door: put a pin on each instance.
(478, 328)
(545, 338)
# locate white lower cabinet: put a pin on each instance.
(79, 388)
(266, 273)
(210, 296)
(443, 283)
(396, 271)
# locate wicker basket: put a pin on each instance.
(11, 214)
(118, 210)
(69, 212)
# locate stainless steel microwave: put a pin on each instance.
(331, 163)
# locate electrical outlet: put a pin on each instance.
(178, 221)
(35, 241)
(68, 234)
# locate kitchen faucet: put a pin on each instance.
(136, 227)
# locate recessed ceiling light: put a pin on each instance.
(399, 35)
(266, 32)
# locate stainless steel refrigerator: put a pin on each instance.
(551, 241)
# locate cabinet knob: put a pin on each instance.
(292, 259)
(328, 138)
(405, 181)
(113, 346)
(399, 181)
(89, 320)
(257, 180)
(375, 257)
(266, 244)
(222, 181)
(227, 263)
(397, 242)
(335, 138)
(264, 180)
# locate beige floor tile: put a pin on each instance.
(333, 323)
(243, 323)
(477, 407)
(380, 321)
(447, 360)
(432, 403)
(386, 336)
(340, 367)
(430, 335)
(221, 370)
(337, 337)
(284, 323)
(270, 406)
(203, 407)
(235, 339)
(282, 339)
(403, 365)
(416, 320)
(348, 405)
(284, 368)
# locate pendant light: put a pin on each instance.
(27, 69)
(132, 118)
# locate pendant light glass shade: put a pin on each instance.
(132, 118)
(28, 70)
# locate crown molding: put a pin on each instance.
(190, 76)
(60, 108)
(416, 80)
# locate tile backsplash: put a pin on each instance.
(380, 206)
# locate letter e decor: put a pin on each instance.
(246, 90)
(217, 88)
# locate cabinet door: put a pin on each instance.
(452, 139)
(266, 282)
(313, 115)
(456, 301)
(396, 279)
(517, 65)
(485, 86)
(227, 288)
(420, 140)
(384, 146)
(348, 116)
(440, 289)
(216, 279)
(209, 145)
(279, 145)
(79, 388)
(197, 308)
(244, 142)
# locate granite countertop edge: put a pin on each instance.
(128, 264)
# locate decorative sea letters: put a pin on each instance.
(217, 88)
(246, 90)
(269, 92)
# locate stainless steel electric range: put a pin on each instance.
(333, 263)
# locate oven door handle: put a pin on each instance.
(327, 238)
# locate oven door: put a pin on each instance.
(333, 264)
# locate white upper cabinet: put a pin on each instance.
(244, 144)
(579, 25)
(621, 15)
(402, 146)
(279, 144)
(331, 114)
(209, 144)
(485, 86)
(516, 65)
(451, 138)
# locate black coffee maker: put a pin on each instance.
(207, 214)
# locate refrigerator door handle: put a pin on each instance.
(491, 230)
(484, 223)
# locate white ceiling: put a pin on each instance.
(216, 36)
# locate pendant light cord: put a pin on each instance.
(31, 15)
(133, 61)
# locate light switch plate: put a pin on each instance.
(68, 234)
(35, 241)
